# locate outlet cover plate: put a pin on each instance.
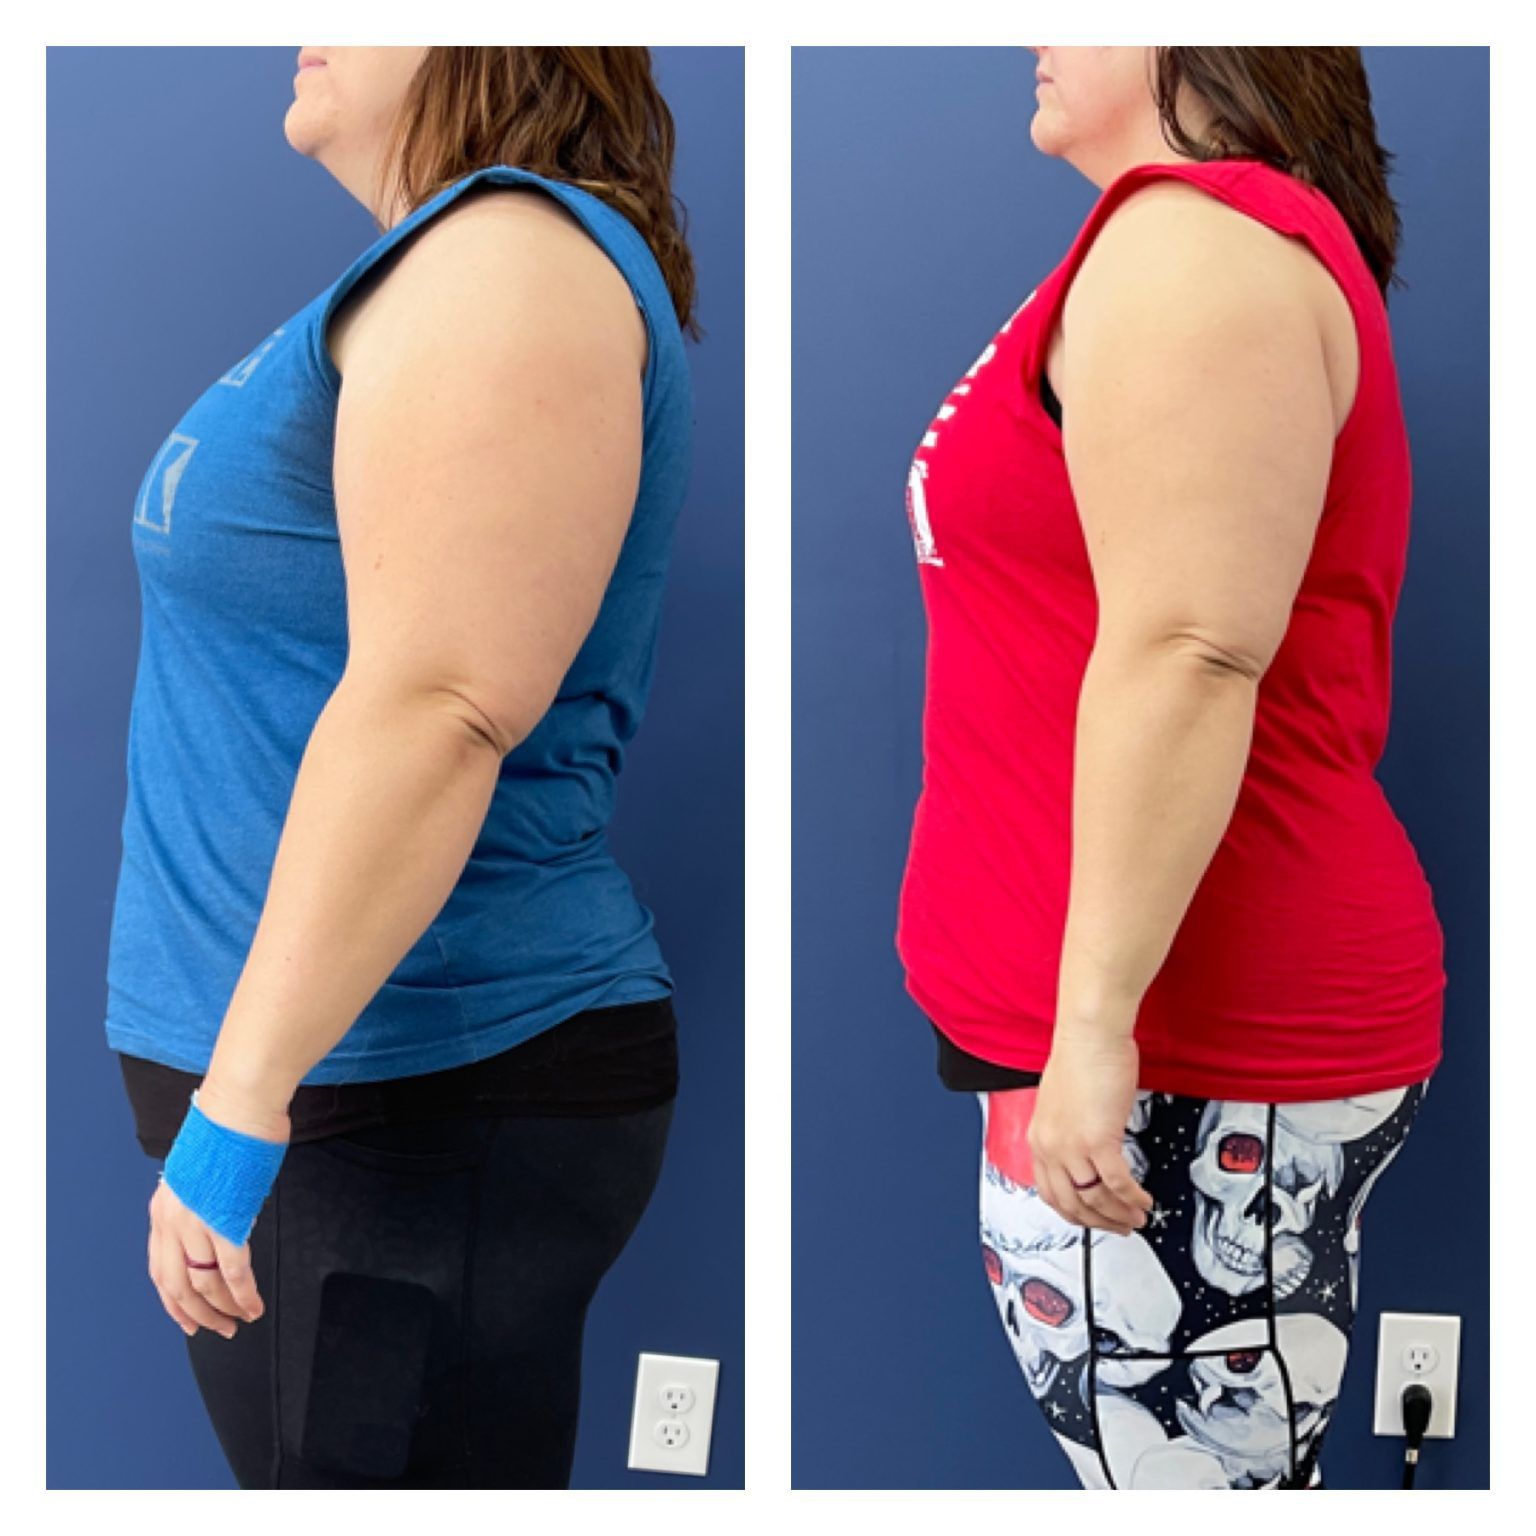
(655, 1374)
(1400, 1333)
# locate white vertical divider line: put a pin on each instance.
(767, 774)
(26, 647)
(1511, 845)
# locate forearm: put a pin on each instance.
(1163, 737)
(390, 796)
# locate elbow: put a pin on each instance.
(498, 727)
(1214, 655)
(492, 720)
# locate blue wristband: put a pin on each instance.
(222, 1176)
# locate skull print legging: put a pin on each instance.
(1207, 1348)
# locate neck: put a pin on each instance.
(361, 178)
(1102, 164)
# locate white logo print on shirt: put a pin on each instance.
(248, 365)
(158, 495)
(159, 492)
(917, 475)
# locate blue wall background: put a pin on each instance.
(180, 225)
(922, 215)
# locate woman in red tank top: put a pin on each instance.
(1156, 903)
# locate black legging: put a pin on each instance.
(426, 1289)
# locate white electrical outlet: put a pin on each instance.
(670, 1434)
(1416, 1346)
(674, 1414)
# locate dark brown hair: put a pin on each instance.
(1306, 111)
(592, 117)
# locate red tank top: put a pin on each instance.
(1309, 962)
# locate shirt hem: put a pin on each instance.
(1161, 1075)
(397, 1061)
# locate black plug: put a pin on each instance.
(1417, 1404)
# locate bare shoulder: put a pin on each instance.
(498, 263)
(493, 233)
(1170, 242)
(1193, 281)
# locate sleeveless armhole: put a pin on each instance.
(614, 235)
(1222, 179)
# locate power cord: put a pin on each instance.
(1417, 1403)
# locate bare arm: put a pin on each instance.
(1198, 434)
(487, 457)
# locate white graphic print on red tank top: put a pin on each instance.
(917, 475)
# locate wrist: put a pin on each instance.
(252, 1108)
(223, 1176)
(1093, 1002)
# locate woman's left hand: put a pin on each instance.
(198, 1297)
(195, 1295)
(1077, 1132)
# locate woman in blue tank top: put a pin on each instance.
(402, 567)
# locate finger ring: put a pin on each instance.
(202, 1263)
(1096, 1179)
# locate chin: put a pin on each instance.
(301, 131)
(1045, 134)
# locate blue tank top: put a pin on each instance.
(243, 640)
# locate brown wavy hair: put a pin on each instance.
(1306, 111)
(592, 117)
